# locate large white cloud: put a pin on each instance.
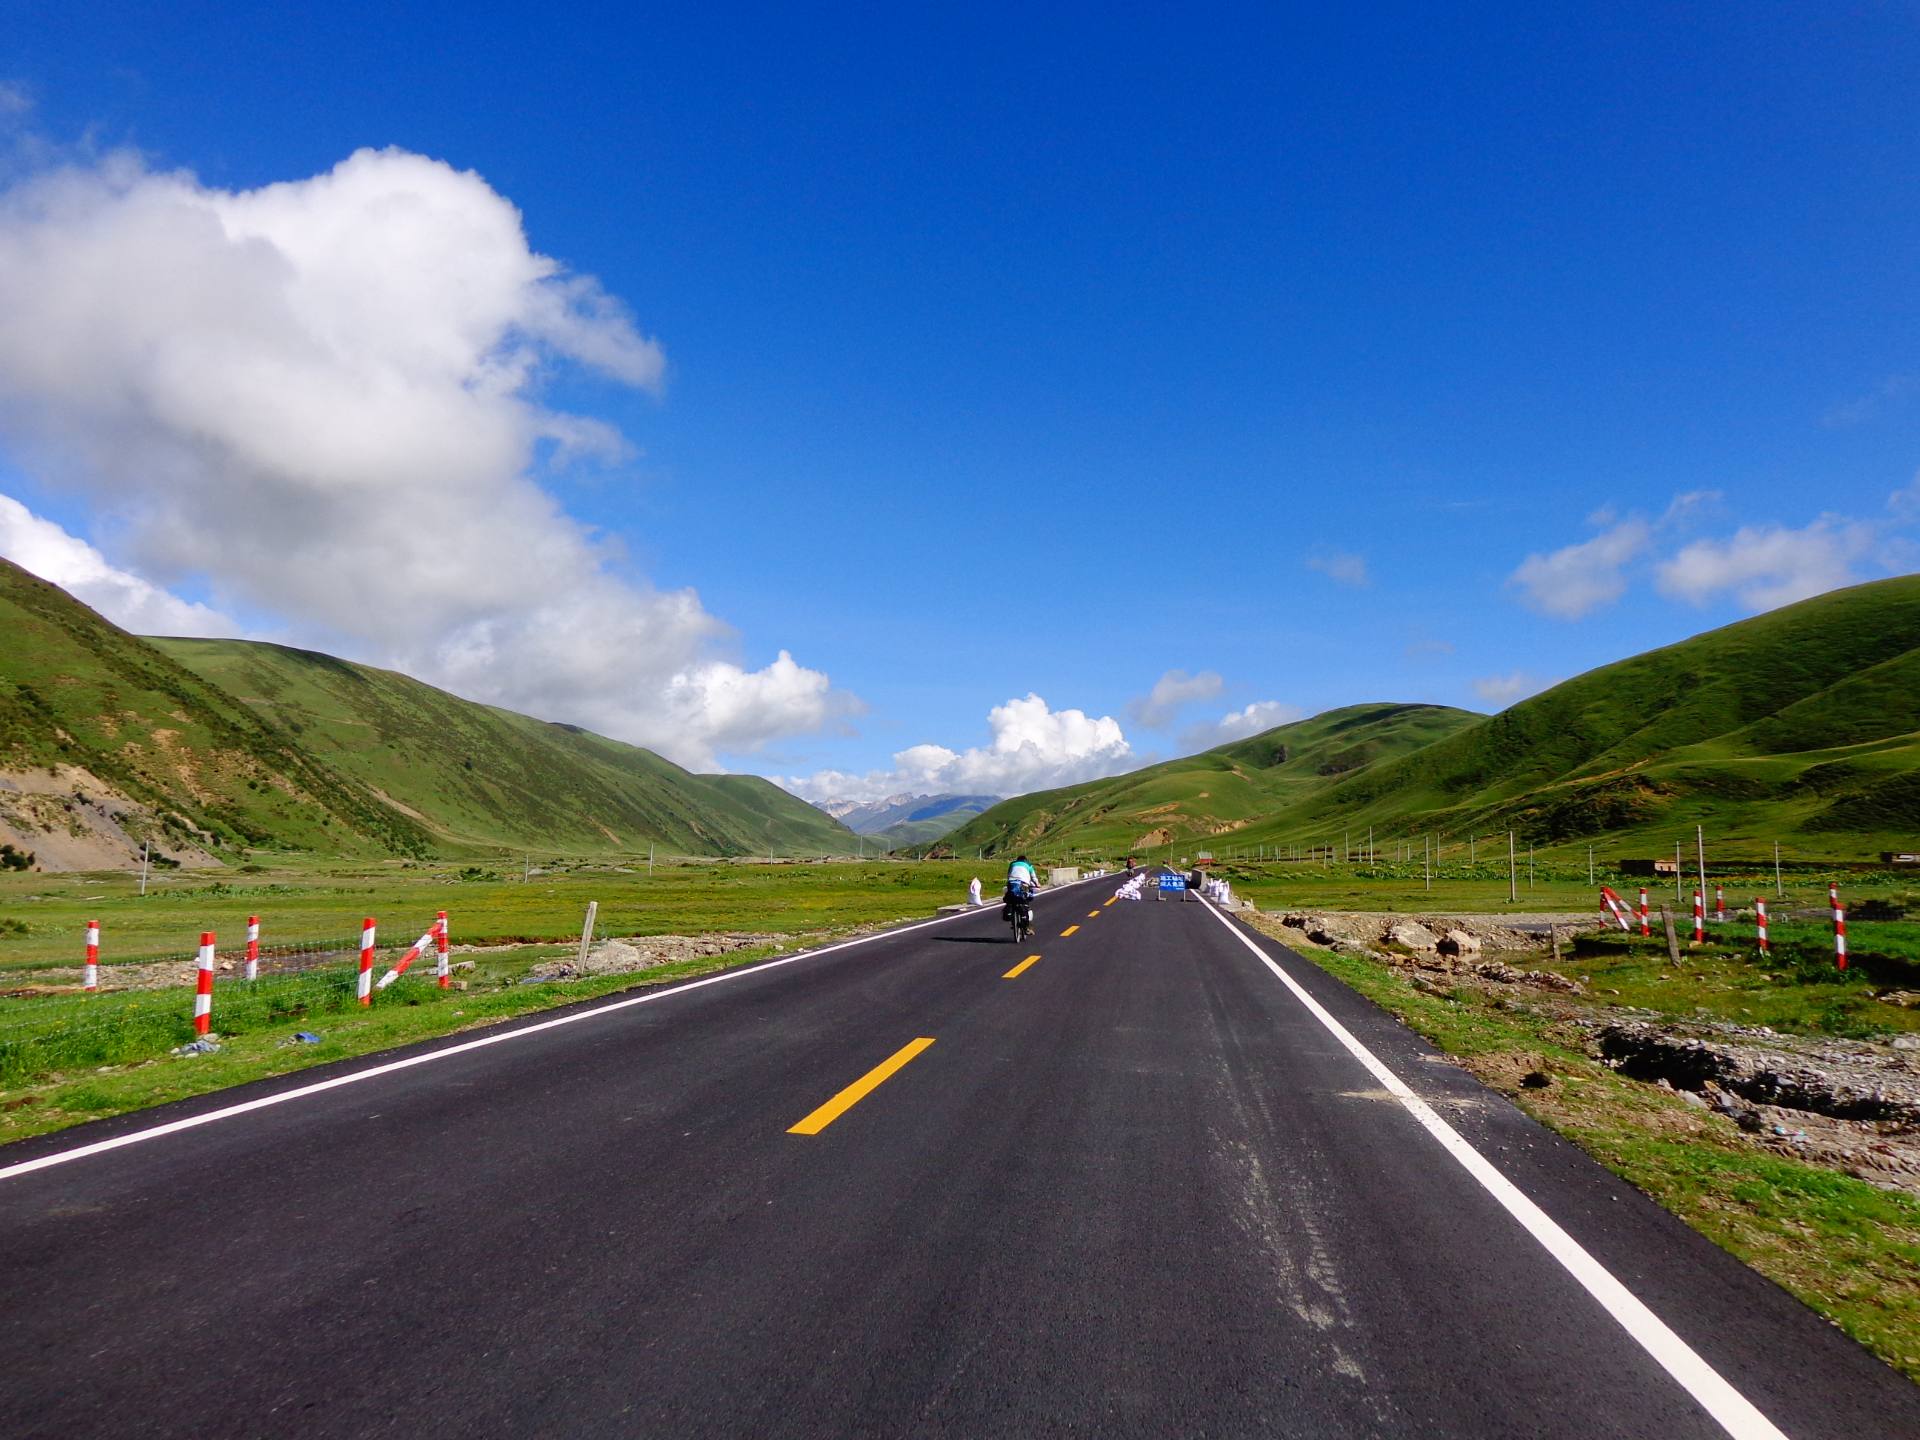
(1034, 747)
(128, 601)
(321, 396)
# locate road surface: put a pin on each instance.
(1149, 1185)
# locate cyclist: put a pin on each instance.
(1022, 881)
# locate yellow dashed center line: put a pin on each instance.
(1111, 899)
(1068, 931)
(860, 1089)
(1093, 914)
(1014, 974)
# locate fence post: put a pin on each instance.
(1719, 904)
(364, 986)
(1673, 940)
(252, 972)
(586, 931)
(443, 972)
(1760, 921)
(203, 985)
(1645, 931)
(92, 976)
(1839, 936)
(1699, 918)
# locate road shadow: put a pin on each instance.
(975, 939)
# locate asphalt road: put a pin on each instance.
(1141, 1188)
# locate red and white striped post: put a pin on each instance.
(443, 971)
(1839, 936)
(252, 972)
(1719, 904)
(1613, 905)
(400, 966)
(1760, 921)
(1645, 931)
(1833, 893)
(366, 961)
(92, 976)
(1699, 918)
(203, 985)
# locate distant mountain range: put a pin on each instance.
(907, 819)
(208, 748)
(1801, 725)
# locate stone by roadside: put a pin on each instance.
(644, 952)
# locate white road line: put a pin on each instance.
(1735, 1413)
(174, 1127)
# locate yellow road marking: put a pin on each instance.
(1068, 931)
(1111, 899)
(1014, 973)
(1093, 914)
(859, 1090)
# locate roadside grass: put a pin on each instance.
(256, 1039)
(1846, 1248)
(486, 904)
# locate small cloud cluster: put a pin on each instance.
(1159, 707)
(321, 397)
(1341, 566)
(1501, 691)
(1034, 747)
(1239, 724)
(1760, 566)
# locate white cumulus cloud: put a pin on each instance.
(1239, 724)
(1578, 579)
(128, 601)
(1034, 747)
(1501, 691)
(1157, 709)
(1766, 566)
(321, 395)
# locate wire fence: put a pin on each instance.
(44, 1034)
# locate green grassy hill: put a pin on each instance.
(1803, 722)
(208, 747)
(1801, 726)
(472, 774)
(166, 756)
(1217, 793)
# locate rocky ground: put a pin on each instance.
(1853, 1105)
(644, 952)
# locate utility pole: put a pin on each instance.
(1429, 862)
(147, 845)
(1473, 857)
(1676, 874)
(1589, 867)
(526, 869)
(1700, 844)
(1529, 865)
(1777, 891)
(1513, 876)
(649, 859)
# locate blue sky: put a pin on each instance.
(1011, 353)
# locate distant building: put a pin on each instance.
(1648, 867)
(1899, 857)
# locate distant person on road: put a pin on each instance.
(1022, 881)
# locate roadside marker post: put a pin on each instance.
(442, 972)
(364, 985)
(1646, 930)
(92, 979)
(400, 966)
(1719, 905)
(1839, 936)
(1699, 919)
(203, 985)
(252, 972)
(1760, 921)
(1614, 906)
(1833, 893)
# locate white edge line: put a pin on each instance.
(1737, 1415)
(174, 1127)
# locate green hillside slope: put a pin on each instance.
(1805, 720)
(1216, 793)
(472, 774)
(165, 756)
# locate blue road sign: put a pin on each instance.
(1173, 882)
